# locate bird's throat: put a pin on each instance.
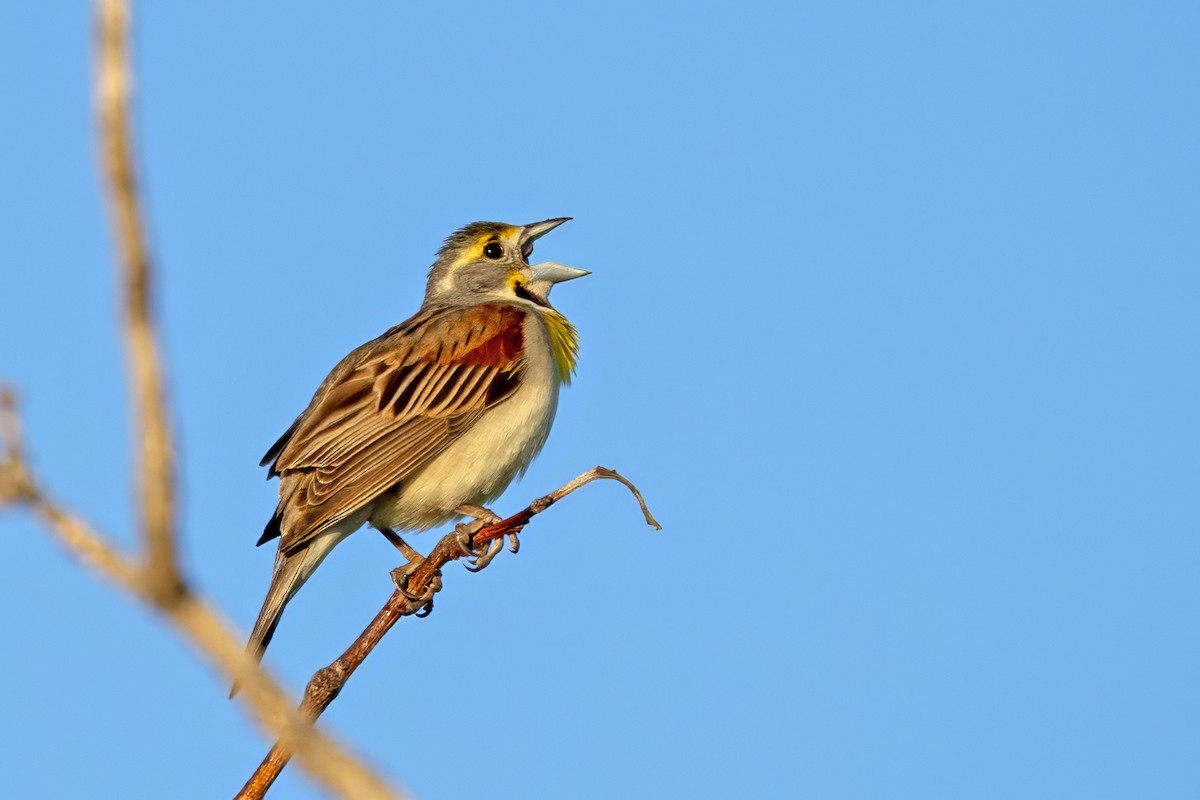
(564, 343)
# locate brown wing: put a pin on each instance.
(388, 408)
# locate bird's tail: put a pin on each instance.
(290, 573)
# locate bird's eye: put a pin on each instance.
(493, 250)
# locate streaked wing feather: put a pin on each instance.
(392, 406)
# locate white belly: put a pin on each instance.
(481, 464)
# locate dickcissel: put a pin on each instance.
(431, 420)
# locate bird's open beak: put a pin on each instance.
(537, 230)
(549, 272)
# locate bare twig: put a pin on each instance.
(213, 638)
(160, 581)
(14, 474)
(157, 580)
(328, 682)
(156, 460)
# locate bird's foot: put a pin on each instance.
(418, 604)
(465, 533)
(466, 536)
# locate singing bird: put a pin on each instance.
(433, 419)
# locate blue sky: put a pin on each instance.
(892, 317)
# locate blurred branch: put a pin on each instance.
(14, 474)
(156, 459)
(328, 682)
(155, 577)
(17, 486)
(328, 763)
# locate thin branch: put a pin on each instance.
(157, 580)
(14, 474)
(328, 763)
(328, 682)
(156, 459)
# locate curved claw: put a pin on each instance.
(464, 546)
(400, 576)
(481, 560)
(464, 537)
(514, 544)
(418, 604)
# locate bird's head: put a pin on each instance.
(490, 260)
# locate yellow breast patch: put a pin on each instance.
(564, 342)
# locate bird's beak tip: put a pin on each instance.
(549, 272)
(536, 230)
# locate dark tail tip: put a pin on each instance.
(258, 645)
(273, 529)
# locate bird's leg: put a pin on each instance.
(404, 547)
(400, 575)
(485, 515)
(466, 536)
